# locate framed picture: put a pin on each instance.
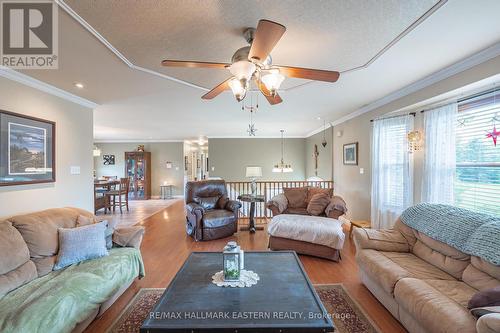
(351, 153)
(108, 159)
(27, 149)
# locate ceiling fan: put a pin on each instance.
(254, 63)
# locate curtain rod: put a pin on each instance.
(401, 115)
(463, 99)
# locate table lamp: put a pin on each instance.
(254, 172)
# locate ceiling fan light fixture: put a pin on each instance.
(238, 87)
(243, 69)
(272, 80)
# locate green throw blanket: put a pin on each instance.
(470, 232)
(59, 300)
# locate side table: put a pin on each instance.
(252, 199)
(359, 224)
(166, 191)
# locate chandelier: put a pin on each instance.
(282, 166)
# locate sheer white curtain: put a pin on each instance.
(392, 170)
(440, 155)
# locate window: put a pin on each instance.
(392, 182)
(477, 177)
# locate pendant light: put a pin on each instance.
(281, 166)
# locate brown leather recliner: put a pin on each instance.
(210, 214)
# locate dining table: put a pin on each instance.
(100, 188)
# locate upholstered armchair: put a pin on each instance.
(209, 212)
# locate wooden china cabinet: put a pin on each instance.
(138, 170)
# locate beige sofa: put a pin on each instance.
(424, 283)
(28, 252)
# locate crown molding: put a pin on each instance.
(458, 67)
(255, 137)
(138, 141)
(122, 57)
(27, 80)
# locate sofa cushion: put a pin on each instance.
(458, 291)
(480, 274)
(40, 232)
(296, 196)
(312, 191)
(17, 277)
(16, 268)
(387, 268)
(58, 301)
(110, 227)
(217, 218)
(436, 306)
(318, 203)
(451, 264)
(82, 243)
(207, 202)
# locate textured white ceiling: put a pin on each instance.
(323, 34)
(140, 106)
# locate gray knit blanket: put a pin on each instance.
(473, 233)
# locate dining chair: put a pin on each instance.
(118, 193)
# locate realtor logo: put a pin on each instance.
(29, 34)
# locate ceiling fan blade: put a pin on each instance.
(309, 74)
(267, 94)
(268, 33)
(193, 64)
(217, 90)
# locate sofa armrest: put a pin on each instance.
(129, 236)
(490, 322)
(335, 214)
(195, 209)
(381, 240)
(336, 208)
(233, 206)
(278, 204)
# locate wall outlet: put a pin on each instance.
(74, 170)
(361, 171)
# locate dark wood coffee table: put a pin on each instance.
(284, 299)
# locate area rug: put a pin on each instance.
(344, 311)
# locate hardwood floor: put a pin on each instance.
(166, 246)
(139, 210)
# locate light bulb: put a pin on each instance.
(238, 88)
(273, 81)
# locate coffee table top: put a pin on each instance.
(284, 298)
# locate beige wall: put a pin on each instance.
(74, 136)
(161, 153)
(229, 157)
(324, 158)
(355, 187)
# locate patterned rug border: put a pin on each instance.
(129, 305)
(142, 291)
(375, 326)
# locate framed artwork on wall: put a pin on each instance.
(351, 153)
(108, 159)
(27, 149)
